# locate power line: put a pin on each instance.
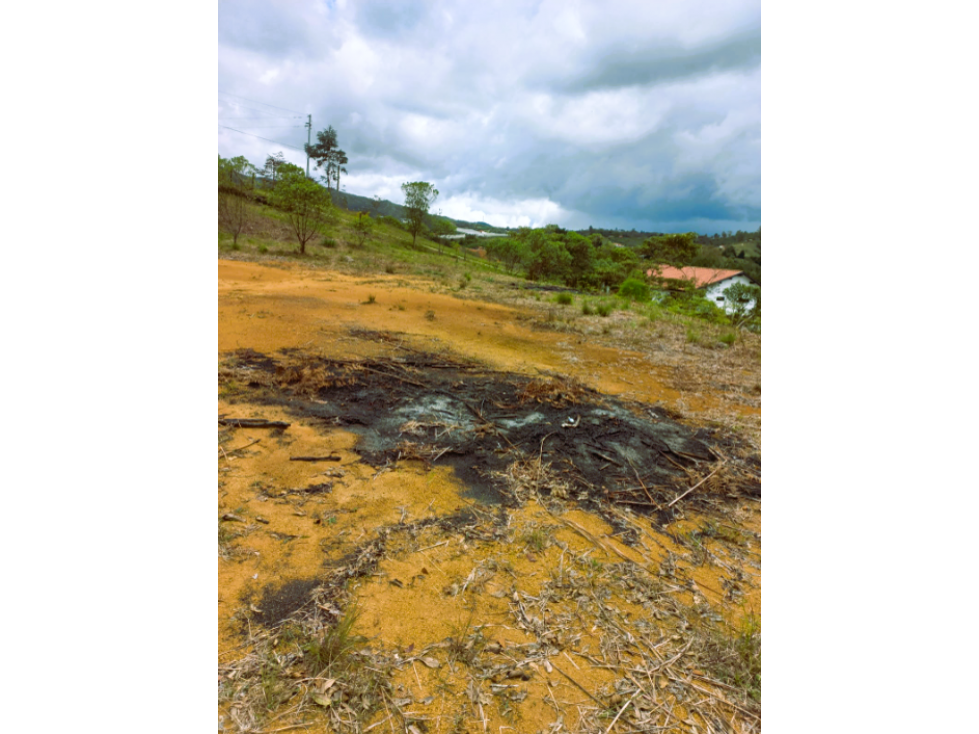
(261, 103)
(234, 105)
(274, 127)
(277, 142)
(270, 117)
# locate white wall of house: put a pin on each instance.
(715, 291)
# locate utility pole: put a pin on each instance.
(309, 133)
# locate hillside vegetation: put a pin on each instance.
(257, 218)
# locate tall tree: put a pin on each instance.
(272, 164)
(323, 151)
(419, 197)
(582, 253)
(339, 160)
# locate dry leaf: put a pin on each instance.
(431, 662)
(321, 699)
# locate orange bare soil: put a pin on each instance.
(540, 619)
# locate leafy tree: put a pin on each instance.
(671, 249)
(307, 204)
(548, 257)
(582, 263)
(442, 228)
(290, 169)
(419, 196)
(745, 302)
(236, 182)
(363, 228)
(337, 163)
(272, 164)
(508, 251)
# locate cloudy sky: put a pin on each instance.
(642, 115)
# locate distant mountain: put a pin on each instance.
(384, 208)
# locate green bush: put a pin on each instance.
(694, 303)
(565, 299)
(729, 338)
(586, 309)
(603, 309)
(634, 289)
(329, 242)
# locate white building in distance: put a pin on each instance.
(713, 281)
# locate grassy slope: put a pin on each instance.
(269, 233)
(389, 250)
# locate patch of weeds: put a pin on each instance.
(728, 338)
(466, 642)
(263, 248)
(693, 336)
(371, 298)
(537, 539)
(329, 243)
(603, 309)
(225, 534)
(228, 388)
(586, 309)
(430, 315)
(735, 657)
(341, 655)
(332, 654)
(390, 269)
(274, 689)
(564, 299)
(713, 529)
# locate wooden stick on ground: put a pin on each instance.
(252, 423)
(695, 486)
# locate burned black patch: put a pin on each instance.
(480, 421)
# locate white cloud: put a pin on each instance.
(522, 213)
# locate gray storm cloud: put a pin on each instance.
(632, 115)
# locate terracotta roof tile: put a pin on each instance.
(700, 276)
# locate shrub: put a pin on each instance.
(329, 242)
(635, 290)
(729, 338)
(565, 299)
(586, 309)
(603, 309)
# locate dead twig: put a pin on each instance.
(696, 485)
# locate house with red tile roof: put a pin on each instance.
(713, 281)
